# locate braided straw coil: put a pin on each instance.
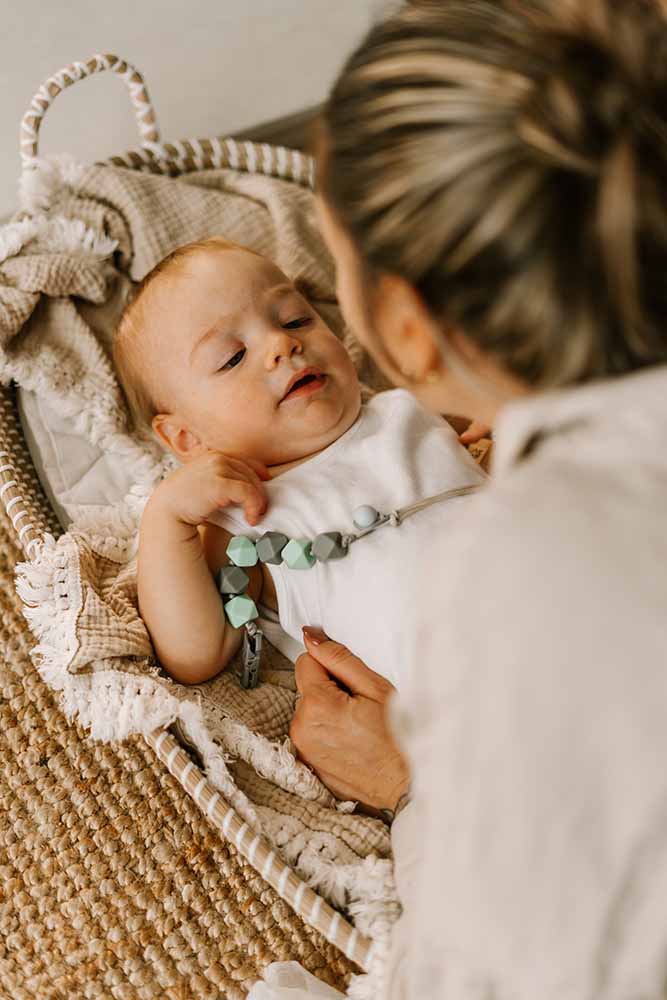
(114, 882)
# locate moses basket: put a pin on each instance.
(260, 909)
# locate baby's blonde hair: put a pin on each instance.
(129, 341)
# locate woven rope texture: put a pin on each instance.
(113, 884)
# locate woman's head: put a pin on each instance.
(218, 350)
(506, 162)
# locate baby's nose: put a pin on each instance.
(282, 345)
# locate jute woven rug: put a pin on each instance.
(112, 883)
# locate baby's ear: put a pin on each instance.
(180, 440)
(162, 429)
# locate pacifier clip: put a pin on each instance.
(297, 553)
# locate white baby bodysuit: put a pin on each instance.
(395, 454)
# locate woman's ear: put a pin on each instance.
(179, 439)
(409, 335)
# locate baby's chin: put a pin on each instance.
(312, 430)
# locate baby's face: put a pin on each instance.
(246, 363)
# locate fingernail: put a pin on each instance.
(314, 635)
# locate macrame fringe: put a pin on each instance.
(50, 589)
(109, 703)
(112, 705)
(53, 233)
(273, 761)
(368, 891)
(46, 178)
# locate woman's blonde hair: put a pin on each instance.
(509, 159)
(129, 340)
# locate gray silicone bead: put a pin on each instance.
(232, 580)
(328, 545)
(269, 547)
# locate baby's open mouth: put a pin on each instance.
(307, 384)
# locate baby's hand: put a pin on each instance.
(212, 481)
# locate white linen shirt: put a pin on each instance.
(535, 716)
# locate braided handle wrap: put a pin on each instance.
(49, 90)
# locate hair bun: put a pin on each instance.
(593, 92)
(508, 158)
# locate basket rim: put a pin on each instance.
(191, 155)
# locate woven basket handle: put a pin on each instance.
(47, 93)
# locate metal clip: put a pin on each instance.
(252, 655)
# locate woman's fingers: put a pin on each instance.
(475, 432)
(345, 738)
(320, 701)
(337, 661)
(311, 676)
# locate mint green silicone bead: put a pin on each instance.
(297, 554)
(241, 610)
(241, 550)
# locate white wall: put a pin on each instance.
(211, 66)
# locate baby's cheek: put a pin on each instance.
(349, 374)
(254, 427)
(238, 431)
(340, 357)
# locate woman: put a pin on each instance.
(493, 186)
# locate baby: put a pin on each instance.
(258, 399)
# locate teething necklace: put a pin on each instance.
(297, 553)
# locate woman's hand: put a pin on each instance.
(469, 431)
(339, 726)
(474, 432)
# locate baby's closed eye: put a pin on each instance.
(295, 324)
(235, 360)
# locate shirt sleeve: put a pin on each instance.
(534, 724)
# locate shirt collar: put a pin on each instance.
(638, 399)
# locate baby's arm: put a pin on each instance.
(178, 556)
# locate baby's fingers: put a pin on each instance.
(246, 472)
(259, 468)
(247, 495)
